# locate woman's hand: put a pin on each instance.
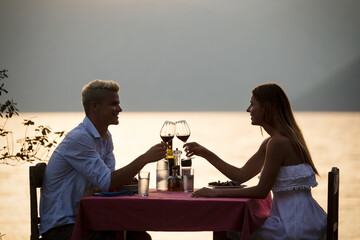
(204, 192)
(194, 148)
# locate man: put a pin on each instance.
(84, 162)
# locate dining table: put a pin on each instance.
(169, 211)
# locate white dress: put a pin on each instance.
(294, 214)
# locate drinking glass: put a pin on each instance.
(183, 133)
(188, 179)
(167, 131)
(182, 130)
(143, 185)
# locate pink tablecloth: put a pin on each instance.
(170, 211)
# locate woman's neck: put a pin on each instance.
(270, 130)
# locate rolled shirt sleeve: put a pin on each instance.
(87, 156)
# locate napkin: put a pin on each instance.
(115, 194)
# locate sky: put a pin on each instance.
(181, 55)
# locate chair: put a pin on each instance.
(333, 204)
(36, 175)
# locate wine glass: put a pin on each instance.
(167, 131)
(183, 133)
(182, 130)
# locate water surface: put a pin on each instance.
(333, 140)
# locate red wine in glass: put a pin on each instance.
(182, 130)
(166, 138)
(183, 138)
(167, 131)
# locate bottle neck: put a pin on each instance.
(174, 171)
(169, 153)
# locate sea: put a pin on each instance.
(332, 137)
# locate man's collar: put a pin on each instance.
(90, 126)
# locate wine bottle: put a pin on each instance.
(175, 181)
(170, 157)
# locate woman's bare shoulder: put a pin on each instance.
(264, 144)
(281, 147)
(279, 140)
(266, 141)
(279, 143)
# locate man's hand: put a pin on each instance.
(90, 191)
(156, 152)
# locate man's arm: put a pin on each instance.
(123, 175)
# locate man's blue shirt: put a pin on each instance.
(81, 160)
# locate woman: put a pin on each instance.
(286, 169)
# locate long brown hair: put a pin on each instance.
(279, 115)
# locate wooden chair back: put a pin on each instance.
(36, 176)
(333, 204)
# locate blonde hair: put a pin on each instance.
(95, 91)
(278, 114)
